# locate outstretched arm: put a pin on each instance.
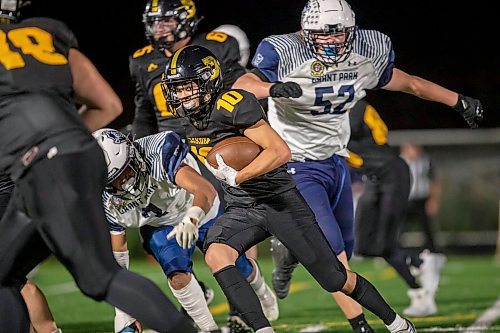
(469, 108)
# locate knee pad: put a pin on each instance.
(244, 266)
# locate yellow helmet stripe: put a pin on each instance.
(173, 63)
(154, 6)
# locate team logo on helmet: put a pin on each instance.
(211, 63)
(190, 8)
(317, 68)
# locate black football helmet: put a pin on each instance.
(197, 70)
(182, 12)
(10, 10)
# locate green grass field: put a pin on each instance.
(470, 285)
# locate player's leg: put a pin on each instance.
(21, 249)
(233, 233)
(72, 223)
(177, 265)
(40, 315)
(291, 220)
(326, 187)
(394, 189)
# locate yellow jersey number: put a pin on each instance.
(217, 36)
(160, 101)
(201, 153)
(376, 124)
(229, 100)
(31, 41)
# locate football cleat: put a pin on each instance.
(422, 303)
(284, 264)
(237, 325)
(431, 268)
(269, 305)
(409, 328)
(363, 327)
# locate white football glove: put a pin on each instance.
(186, 232)
(224, 172)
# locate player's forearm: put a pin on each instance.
(252, 83)
(95, 119)
(204, 200)
(268, 160)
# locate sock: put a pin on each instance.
(143, 300)
(397, 324)
(369, 297)
(357, 321)
(258, 284)
(192, 299)
(239, 293)
(398, 260)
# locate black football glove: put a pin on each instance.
(470, 109)
(285, 89)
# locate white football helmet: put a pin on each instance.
(120, 153)
(241, 37)
(329, 29)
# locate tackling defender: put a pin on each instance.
(262, 198)
(333, 64)
(154, 184)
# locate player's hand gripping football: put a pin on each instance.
(471, 109)
(186, 232)
(224, 172)
(285, 89)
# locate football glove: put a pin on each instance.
(470, 109)
(285, 89)
(224, 172)
(186, 232)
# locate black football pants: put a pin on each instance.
(57, 208)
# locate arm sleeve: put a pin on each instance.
(266, 62)
(173, 152)
(145, 122)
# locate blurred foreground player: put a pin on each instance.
(59, 172)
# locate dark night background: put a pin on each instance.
(442, 41)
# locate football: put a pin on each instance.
(237, 152)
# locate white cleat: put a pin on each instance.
(409, 328)
(422, 303)
(431, 268)
(269, 303)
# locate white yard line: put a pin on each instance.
(485, 320)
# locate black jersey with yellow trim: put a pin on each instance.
(33, 50)
(368, 148)
(234, 111)
(146, 68)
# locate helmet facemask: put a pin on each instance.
(10, 10)
(131, 182)
(332, 45)
(168, 23)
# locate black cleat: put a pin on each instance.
(284, 264)
(237, 325)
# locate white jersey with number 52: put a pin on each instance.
(316, 125)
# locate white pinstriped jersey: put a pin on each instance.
(161, 202)
(316, 125)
